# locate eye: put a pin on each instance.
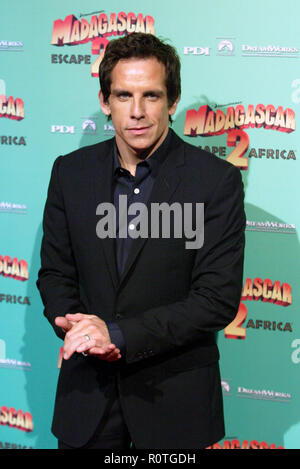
(152, 96)
(123, 96)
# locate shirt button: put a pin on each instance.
(131, 226)
(136, 190)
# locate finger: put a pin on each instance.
(86, 335)
(62, 322)
(78, 330)
(104, 349)
(114, 356)
(76, 317)
(108, 357)
(86, 346)
(87, 328)
(71, 346)
(107, 354)
(82, 327)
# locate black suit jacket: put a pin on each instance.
(169, 303)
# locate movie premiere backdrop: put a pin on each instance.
(240, 100)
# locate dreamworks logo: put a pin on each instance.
(11, 362)
(109, 129)
(162, 221)
(16, 46)
(2, 349)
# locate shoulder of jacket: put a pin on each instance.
(85, 154)
(197, 158)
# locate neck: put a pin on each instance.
(128, 164)
(130, 157)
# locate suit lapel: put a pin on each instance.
(102, 188)
(167, 181)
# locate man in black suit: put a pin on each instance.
(139, 314)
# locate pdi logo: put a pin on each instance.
(63, 129)
(196, 50)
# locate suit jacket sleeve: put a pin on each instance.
(216, 281)
(57, 278)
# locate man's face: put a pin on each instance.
(138, 106)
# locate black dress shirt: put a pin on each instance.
(137, 188)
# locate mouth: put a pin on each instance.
(138, 130)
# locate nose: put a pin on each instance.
(137, 108)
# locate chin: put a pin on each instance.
(141, 142)
(144, 147)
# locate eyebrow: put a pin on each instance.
(119, 91)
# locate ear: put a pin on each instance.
(105, 106)
(173, 108)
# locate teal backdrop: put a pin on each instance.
(240, 100)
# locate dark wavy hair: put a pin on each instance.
(142, 46)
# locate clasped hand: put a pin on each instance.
(87, 334)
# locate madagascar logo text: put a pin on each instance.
(72, 32)
(207, 122)
(265, 291)
(16, 419)
(11, 108)
(13, 268)
(245, 444)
